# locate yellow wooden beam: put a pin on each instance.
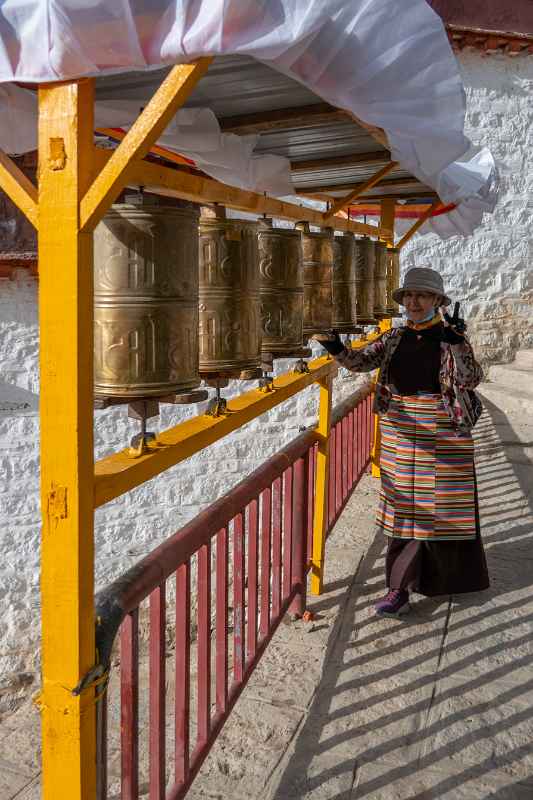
(320, 521)
(360, 189)
(174, 183)
(119, 473)
(148, 127)
(418, 224)
(18, 188)
(66, 418)
(386, 227)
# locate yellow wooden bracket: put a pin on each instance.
(320, 521)
(118, 473)
(360, 189)
(18, 188)
(197, 189)
(386, 227)
(384, 325)
(418, 224)
(148, 127)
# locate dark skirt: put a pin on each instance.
(436, 568)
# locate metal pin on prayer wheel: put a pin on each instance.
(218, 405)
(318, 267)
(230, 325)
(146, 302)
(142, 410)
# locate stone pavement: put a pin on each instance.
(438, 706)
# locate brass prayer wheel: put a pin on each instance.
(344, 284)
(318, 268)
(380, 280)
(393, 279)
(146, 299)
(281, 287)
(230, 322)
(365, 260)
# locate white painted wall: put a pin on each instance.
(490, 272)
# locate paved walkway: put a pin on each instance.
(350, 706)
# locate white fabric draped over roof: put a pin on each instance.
(387, 62)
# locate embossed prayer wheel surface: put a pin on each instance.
(380, 280)
(230, 322)
(344, 283)
(365, 260)
(393, 279)
(317, 251)
(146, 300)
(281, 279)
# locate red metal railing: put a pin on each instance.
(256, 543)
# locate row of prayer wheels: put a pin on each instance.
(181, 297)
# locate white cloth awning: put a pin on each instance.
(387, 62)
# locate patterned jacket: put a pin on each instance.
(459, 374)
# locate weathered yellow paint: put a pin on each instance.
(384, 325)
(418, 224)
(147, 128)
(163, 180)
(321, 487)
(66, 363)
(18, 187)
(357, 192)
(120, 473)
(386, 226)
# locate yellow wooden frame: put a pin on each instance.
(77, 183)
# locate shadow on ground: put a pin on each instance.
(438, 706)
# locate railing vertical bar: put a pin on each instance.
(276, 547)
(253, 586)
(345, 451)
(157, 693)
(338, 467)
(299, 519)
(265, 561)
(372, 421)
(287, 531)
(362, 437)
(238, 598)
(356, 435)
(350, 450)
(183, 670)
(331, 479)
(129, 705)
(204, 643)
(221, 634)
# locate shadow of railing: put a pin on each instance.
(447, 693)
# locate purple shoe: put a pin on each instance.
(394, 604)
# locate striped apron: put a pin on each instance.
(427, 473)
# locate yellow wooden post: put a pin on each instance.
(66, 409)
(321, 486)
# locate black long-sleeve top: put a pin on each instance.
(415, 365)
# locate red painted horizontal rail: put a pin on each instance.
(254, 542)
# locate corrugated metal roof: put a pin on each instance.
(238, 87)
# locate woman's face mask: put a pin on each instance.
(420, 306)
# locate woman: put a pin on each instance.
(428, 501)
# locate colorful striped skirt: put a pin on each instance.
(427, 473)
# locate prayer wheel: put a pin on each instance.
(318, 268)
(380, 280)
(281, 288)
(365, 260)
(344, 284)
(230, 320)
(146, 299)
(393, 280)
